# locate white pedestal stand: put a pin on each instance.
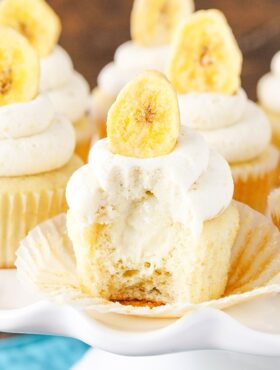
(198, 360)
(246, 337)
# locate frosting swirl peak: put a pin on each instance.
(182, 181)
(33, 139)
(232, 125)
(131, 59)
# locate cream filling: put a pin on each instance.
(191, 184)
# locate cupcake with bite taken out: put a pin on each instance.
(148, 226)
(36, 147)
(206, 75)
(152, 25)
(66, 88)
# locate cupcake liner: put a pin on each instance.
(20, 213)
(26, 201)
(46, 262)
(274, 207)
(254, 180)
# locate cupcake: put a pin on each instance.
(206, 75)
(268, 89)
(152, 230)
(147, 225)
(36, 147)
(66, 88)
(152, 26)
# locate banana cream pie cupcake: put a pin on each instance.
(36, 147)
(66, 88)
(268, 91)
(147, 225)
(206, 75)
(152, 25)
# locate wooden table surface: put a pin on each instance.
(92, 30)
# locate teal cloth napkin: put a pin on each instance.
(39, 352)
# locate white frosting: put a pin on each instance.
(67, 89)
(205, 111)
(33, 139)
(275, 64)
(25, 119)
(71, 99)
(113, 78)
(192, 184)
(268, 91)
(130, 60)
(268, 88)
(130, 55)
(231, 125)
(243, 141)
(56, 69)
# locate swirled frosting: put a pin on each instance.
(232, 125)
(268, 88)
(131, 59)
(67, 89)
(33, 138)
(192, 183)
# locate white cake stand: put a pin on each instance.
(246, 337)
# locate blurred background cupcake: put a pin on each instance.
(36, 147)
(67, 89)
(206, 74)
(152, 25)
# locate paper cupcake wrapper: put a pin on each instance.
(46, 262)
(20, 213)
(254, 180)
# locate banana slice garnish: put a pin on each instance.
(144, 121)
(19, 68)
(153, 21)
(35, 19)
(205, 56)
